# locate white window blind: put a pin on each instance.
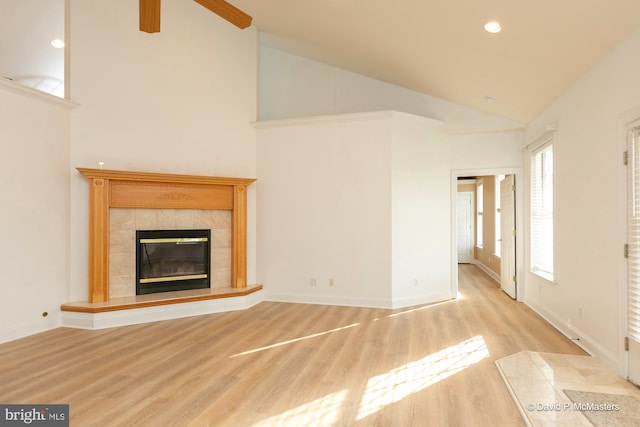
(541, 215)
(633, 145)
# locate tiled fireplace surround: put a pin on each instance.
(122, 202)
(122, 244)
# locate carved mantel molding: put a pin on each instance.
(122, 189)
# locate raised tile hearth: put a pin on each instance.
(156, 307)
(159, 299)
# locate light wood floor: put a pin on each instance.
(280, 364)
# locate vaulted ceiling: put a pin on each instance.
(435, 47)
(439, 47)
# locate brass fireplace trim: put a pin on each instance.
(122, 189)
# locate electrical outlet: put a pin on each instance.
(415, 282)
(313, 282)
(330, 282)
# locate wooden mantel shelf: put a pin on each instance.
(145, 190)
(162, 177)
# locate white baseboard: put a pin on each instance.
(359, 302)
(153, 314)
(421, 300)
(584, 341)
(489, 272)
(328, 300)
(23, 330)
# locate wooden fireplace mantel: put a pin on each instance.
(121, 189)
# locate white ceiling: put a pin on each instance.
(437, 47)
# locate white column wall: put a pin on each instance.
(421, 214)
(34, 219)
(324, 209)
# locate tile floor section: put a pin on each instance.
(537, 380)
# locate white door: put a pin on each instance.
(508, 235)
(464, 213)
(633, 265)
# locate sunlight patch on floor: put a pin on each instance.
(319, 334)
(321, 412)
(413, 377)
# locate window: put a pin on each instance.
(633, 236)
(541, 215)
(479, 209)
(633, 220)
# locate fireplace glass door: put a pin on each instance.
(172, 260)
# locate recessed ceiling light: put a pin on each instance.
(57, 43)
(492, 27)
(490, 99)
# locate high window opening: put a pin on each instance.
(33, 51)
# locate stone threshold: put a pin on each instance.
(159, 299)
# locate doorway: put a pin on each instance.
(505, 247)
(508, 235)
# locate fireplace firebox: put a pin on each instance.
(172, 260)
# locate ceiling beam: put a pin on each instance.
(226, 11)
(150, 16)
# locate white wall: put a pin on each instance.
(324, 209)
(585, 302)
(178, 101)
(421, 214)
(363, 199)
(479, 151)
(34, 219)
(293, 86)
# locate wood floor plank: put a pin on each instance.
(280, 364)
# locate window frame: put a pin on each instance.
(535, 266)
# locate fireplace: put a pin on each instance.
(111, 189)
(172, 260)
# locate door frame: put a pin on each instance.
(518, 172)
